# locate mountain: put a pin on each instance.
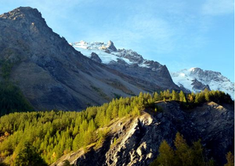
(196, 79)
(133, 64)
(52, 75)
(128, 62)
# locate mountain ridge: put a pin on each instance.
(189, 80)
(52, 74)
(127, 61)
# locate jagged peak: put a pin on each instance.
(102, 46)
(200, 71)
(21, 12)
(110, 54)
(110, 51)
(24, 16)
(213, 79)
(192, 69)
(110, 45)
(95, 45)
(25, 8)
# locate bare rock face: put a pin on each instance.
(132, 56)
(198, 86)
(111, 46)
(135, 141)
(95, 57)
(141, 68)
(159, 76)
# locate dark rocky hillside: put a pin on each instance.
(51, 73)
(135, 141)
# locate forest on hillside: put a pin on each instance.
(46, 136)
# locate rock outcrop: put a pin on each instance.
(198, 86)
(95, 57)
(135, 141)
(111, 46)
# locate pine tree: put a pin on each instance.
(156, 96)
(114, 112)
(191, 97)
(230, 159)
(28, 157)
(182, 97)
(207, 94)
(91, 126)
(166, 155)
(166, 94)
(135, 111)
(175, 95)
(197, 153)
(183, 151)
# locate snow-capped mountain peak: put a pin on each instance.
(195, 79)
(128, 62)
(108, 53)
(95, 45)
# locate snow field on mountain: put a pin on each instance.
(185, 77)
(214, 80)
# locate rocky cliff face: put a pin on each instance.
(128, 62)
(51, 73)
(135, 141)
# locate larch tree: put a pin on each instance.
(166, 155)
(230, 159)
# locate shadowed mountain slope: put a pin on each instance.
(51, 73)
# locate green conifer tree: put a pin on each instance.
(166, 155)
(29, 157)
(175, 95)
(183, 152)
(182, 97)
(230, 159)
(156, 96)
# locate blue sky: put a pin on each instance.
(178, 33)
